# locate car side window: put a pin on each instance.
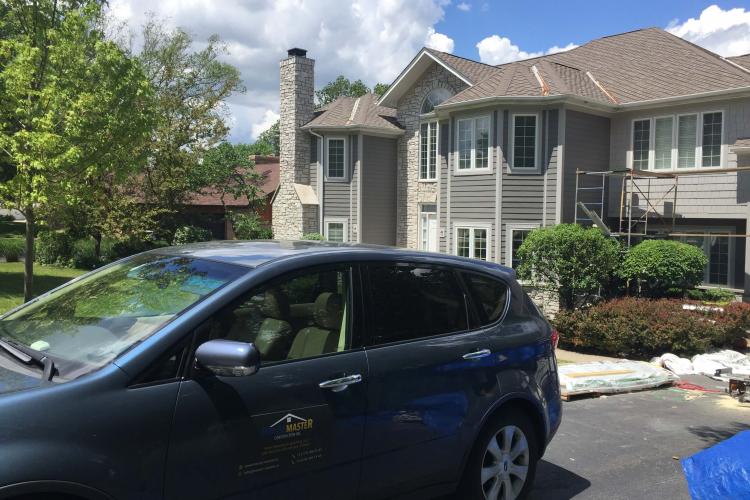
(489, 295)
(408, 302)
(298, 317)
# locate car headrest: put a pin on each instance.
(274, 305)
(328, 310)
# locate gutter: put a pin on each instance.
(354, 128)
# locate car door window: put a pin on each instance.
(413, 301)
(297, 317)
(489, 295)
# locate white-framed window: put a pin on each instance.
(524, 142)
(336, 229)
(472, 240)
(515, 236)
(428, 151)
(689, 140)
(428, 224)
(435, 97)
(336, 154)
(473, 144)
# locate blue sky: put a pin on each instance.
(374, 40)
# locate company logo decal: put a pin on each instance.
(292, 423)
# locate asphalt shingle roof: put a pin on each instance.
(356, 112)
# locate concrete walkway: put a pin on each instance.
(577, 357)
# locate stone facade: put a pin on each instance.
(411, 192)
(291, 219)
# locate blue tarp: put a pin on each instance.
(721, 471)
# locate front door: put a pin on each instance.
(428, 228)
(295, 428)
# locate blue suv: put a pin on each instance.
(275, 370)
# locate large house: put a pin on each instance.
(643, 130)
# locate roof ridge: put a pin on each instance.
(705, 52)
(459, 57)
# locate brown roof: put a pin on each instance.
(636, 66)
(472, 70)
(356, 112)
(268, 165)
(743, 60)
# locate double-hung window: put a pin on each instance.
(428, 151)
(473, 140)
(691, 140)
(517, 234)
(336, 158)
(471, 241)
(525, 142)
(335, 230)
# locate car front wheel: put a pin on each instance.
(503, 461)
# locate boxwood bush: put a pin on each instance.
(641, 328)
(662, 268)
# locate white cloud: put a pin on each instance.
(438, 41)
(497, 49)
(269, 118)
(368, 39)
(726, 32)
(464, 6)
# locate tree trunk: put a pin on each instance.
(28, 266)
(98, 244)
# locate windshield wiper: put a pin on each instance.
(28, 355)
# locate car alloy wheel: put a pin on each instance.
(505, 464)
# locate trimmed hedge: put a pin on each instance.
(641, 328)
(664, 268)
(12, 248)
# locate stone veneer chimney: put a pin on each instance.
(291, 218)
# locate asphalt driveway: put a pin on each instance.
(622, 446)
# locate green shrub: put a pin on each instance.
(641, 328)
(54, 248)
(12, 248)
(191, 234)
(719, 295)
(125, 248)
(568, 259)
(663, 268)
(83, 255)
(6, 218)
(313, 237)
(249, 226)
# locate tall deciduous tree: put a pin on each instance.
(72, 106)
(191, 90)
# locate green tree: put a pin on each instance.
(661, 267)
(268, 141)
(568, 260)
(380, 89)
(72, 106)
(191, 90)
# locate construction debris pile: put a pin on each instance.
(720, 365)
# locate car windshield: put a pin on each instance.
(91, 321)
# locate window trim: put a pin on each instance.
(429, 179)
(471, 226)
(326, 170)
(368, 337)
(336, 220)
(420, 226)
(509, 228)
(473, 170)
(630, 160)
(537, 169)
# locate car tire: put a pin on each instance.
(506, 449)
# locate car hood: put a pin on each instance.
(14, 378)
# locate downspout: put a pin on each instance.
(321, 153)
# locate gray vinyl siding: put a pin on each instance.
(353, 188)
(445, 143)
(339, 197)
(523, 195)
(706, 196)
(586, 148)
(378, 190)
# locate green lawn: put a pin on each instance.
(45, 278)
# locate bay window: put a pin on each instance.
(471, 241)
(428, 151)
(473, 140)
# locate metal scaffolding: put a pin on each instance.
(590, 204)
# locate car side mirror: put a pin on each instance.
(228, 358)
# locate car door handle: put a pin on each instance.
(478, 354)
(339, 384)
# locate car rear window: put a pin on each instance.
(413, 301)
(490, 296)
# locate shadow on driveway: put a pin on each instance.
(712, 434)
(555, 483)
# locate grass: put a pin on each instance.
(45, 278)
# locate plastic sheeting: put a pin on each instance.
(675, 364)
(720, 472)
(709, 363)
(611, 377)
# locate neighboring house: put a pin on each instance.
(212, 213)
(466, 158)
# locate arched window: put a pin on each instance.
(434, 98)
